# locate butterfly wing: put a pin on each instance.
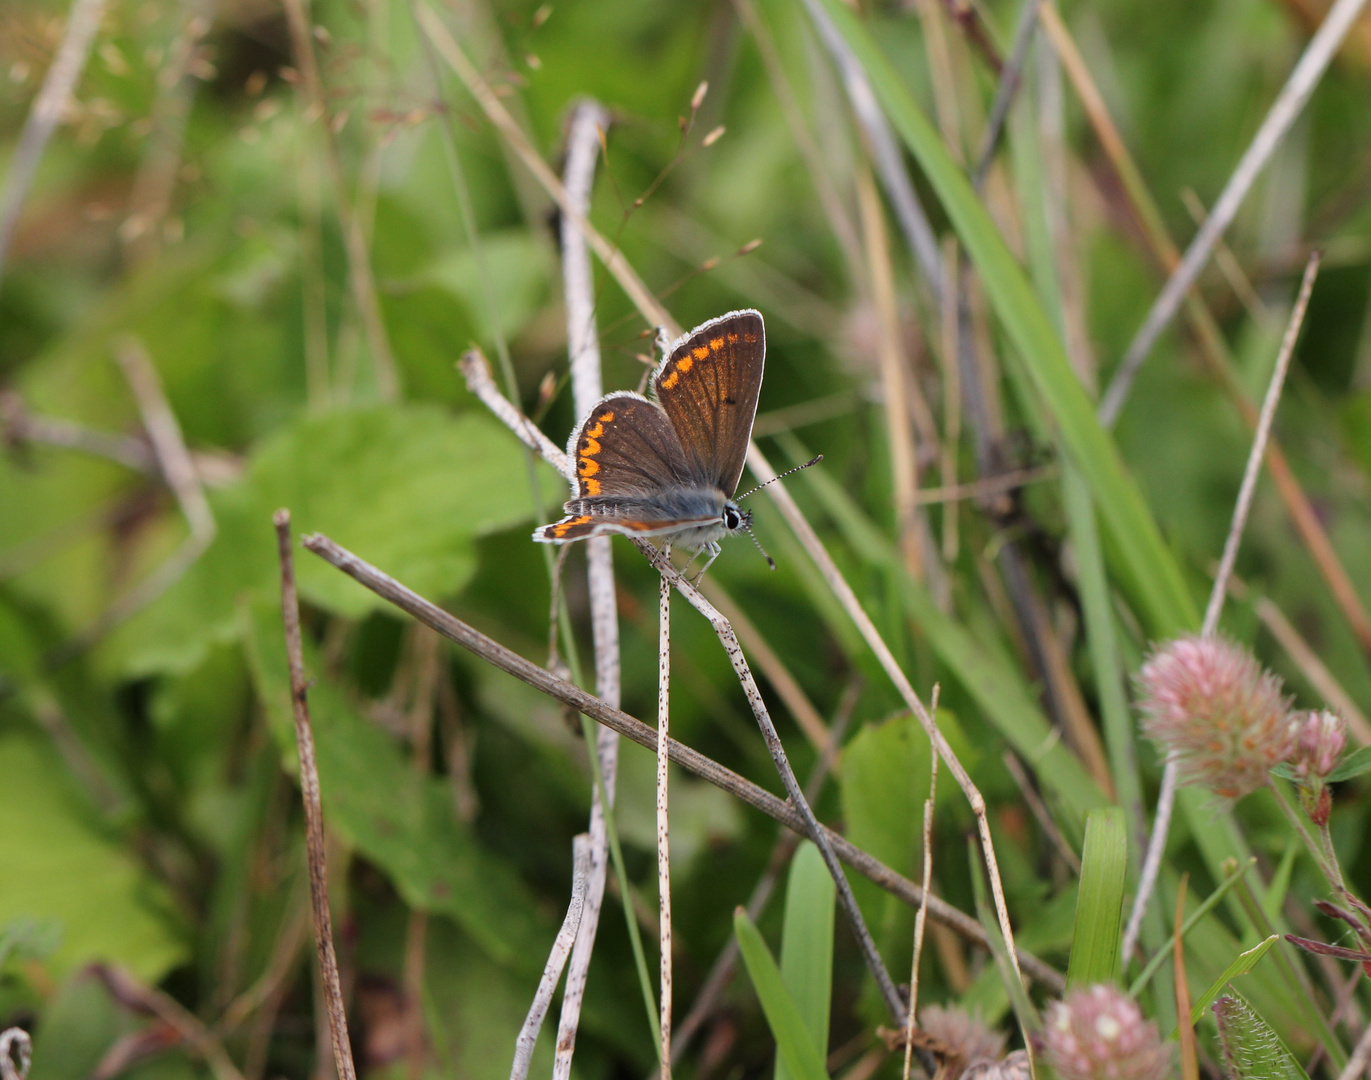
(626, 453)
(708, 385)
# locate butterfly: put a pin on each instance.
(670, 467)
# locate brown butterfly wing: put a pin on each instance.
(626, 447)
(709, 385)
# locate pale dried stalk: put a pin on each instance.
(763, 471)
(1359, 1064)
(556, 961)
(663, 820)
(46, 112)
(314, 811)
(920, 917)
(1166, 797)
(583, 346)
(1283, 112)
(691, 760)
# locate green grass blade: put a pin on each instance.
(807, 946)
(793, 1044)
(1148, 568)
(1099, 900)
(1241, 965)
(1251, 1049)
(1024, 1009)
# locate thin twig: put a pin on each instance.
(691, 760)
(762, 469)
(795, 796)
(663, 821)
(556, 961)
(1283, 112)
(920, 917)
(46, 112)
(583, 347)
(314, 812)
(1166, 797)
(1360, 1060)
(148, 999)
(725, 964)
(1039, 810)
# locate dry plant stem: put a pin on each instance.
(920, 918)
(314, 812)
(1039, 810)
(838, 218)
(583, 346)
(46, 112)
(131, 993)
(762, 469)
(556, 961)
(691, 760)
(1212, 347)
(1166, 797)
(725, 964)
(949, 333)
(896, 389)
(178, 470)
(354, 237)
(794, 796)
(452, 54)
(12, 1039)
(663, 819)
(1282, 114)
(1010, 79)
(1360, 1061)
(885, 152)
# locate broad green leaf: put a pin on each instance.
(502, 284)
(794, 1046)
(883, 784)
(405, 487)
(1251, 1049)
(1355, 764)
(1099, 900)
(59, 865)
(1149, 569)
(807, 946)
(402, 822)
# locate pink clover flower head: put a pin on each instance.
(1212, 707)
(1322, 737)
(1098, 1033)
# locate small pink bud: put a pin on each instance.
(1212, 707)
(1098, 1032)
(1321, 740)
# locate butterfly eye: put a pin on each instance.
(732, 519)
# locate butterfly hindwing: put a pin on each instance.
(708, 385)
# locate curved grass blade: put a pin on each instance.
(807, 947)
(793, 1044)
(1251, 1049)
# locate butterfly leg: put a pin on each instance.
(713, 548)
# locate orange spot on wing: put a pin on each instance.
(591, 448)
(592, 486)
(588, 467)
(607, 418)
(751, 339)
(670, 381)
(595, 432)
(715, 344)
(684, 364)
(563, 527)
(733, 339)
(700, 351)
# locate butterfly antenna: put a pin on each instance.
(739, 498)
(769, 560)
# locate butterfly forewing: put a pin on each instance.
(709, 386)
(625, 447)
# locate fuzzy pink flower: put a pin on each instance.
(1098, 1033)
(1212, 706)
(1320, 742)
